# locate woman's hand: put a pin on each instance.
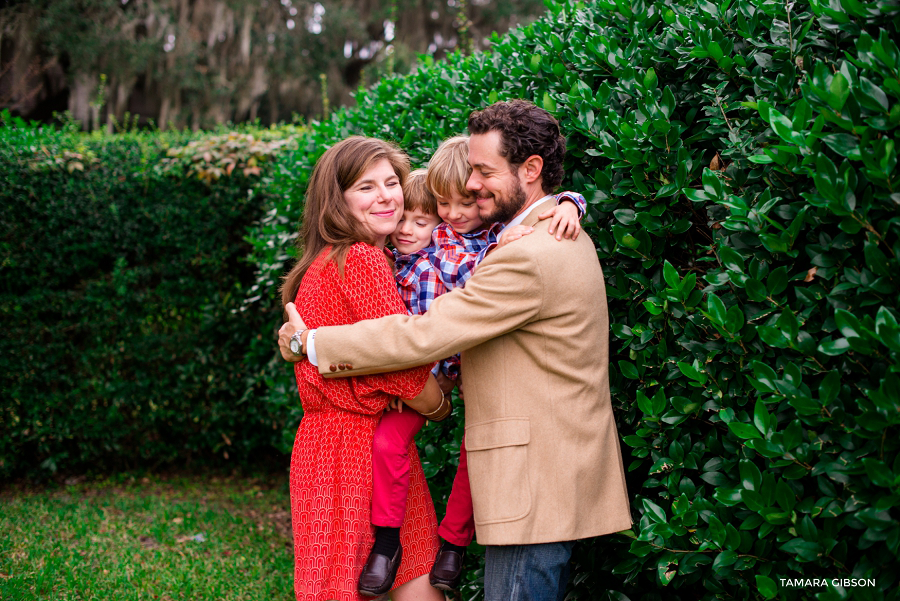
(565, 220)
(513, 233)
(293, 324)
(431, 402)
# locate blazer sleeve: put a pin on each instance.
(371, 291)
(504, 294)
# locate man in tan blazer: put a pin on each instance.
(543, 451)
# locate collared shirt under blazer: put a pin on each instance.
(532, 325)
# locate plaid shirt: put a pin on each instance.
(419, 285)
(457, 254)
(417, 280)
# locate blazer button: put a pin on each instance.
(349, 366)
(341, 366)
(332, 367)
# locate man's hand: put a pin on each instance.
(513, 233)
(293, 324)
(565, 220)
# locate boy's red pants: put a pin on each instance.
(390, 479)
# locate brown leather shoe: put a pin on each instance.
(378, 575)
(447, 569)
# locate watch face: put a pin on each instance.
(295, 346)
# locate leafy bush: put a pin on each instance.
(211, 158)
(121, 341)
(740, 158)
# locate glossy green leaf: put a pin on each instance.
(784, 128)
(804, 550)
(731, 259)
(670, 275)
(751, 477)
(625, 216)
(734, 319)
(774, 243)
(744, 431)
(716, 309)
(548, 103)
(834, 347)
(761, 418)
(692, 372)
(873, 96)
(843, 144)
(785, 496)
(755, 290)
(653, 510)
(777, 281)
(716, 530)
(879, 472)
(628, 370)
(766, 586)
(839, 91)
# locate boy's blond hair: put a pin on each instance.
(448, 169)
(416, 195)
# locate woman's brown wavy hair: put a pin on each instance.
(327, 220)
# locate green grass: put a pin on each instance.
(139, 540)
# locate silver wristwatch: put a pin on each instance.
(296, 343)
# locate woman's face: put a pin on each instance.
(376, 200)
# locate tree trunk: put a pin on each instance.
(248, 102)
(83, 87)
(246, 28)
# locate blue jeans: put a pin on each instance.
(527, 572)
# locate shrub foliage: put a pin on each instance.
(741, 163)
(120, 280)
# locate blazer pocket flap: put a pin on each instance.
(506, 432)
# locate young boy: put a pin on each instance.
(430, 258)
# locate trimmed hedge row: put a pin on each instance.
(120, 280)
(741, 165)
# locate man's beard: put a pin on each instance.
(506, 209)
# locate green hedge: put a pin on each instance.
(121, 279)
(741, 165)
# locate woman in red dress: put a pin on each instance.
(354, 201)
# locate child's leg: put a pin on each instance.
(390, 465)
(458, 525)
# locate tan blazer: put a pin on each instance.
(532, 325)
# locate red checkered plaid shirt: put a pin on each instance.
(457, 255)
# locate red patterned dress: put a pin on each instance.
(331, 464)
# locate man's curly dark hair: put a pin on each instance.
(525, 130)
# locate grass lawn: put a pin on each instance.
(150, 538)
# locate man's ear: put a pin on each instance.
(532, 168)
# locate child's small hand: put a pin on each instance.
(565, 220)
(513, 233)
(447, 385)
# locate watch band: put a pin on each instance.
(296, 342)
